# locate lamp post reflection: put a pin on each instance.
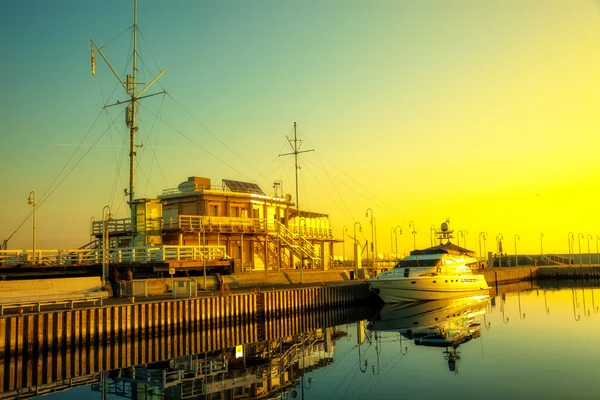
(586, 312)
(359, 342)
(574, 296)
(396, 234)
(505, 320)
(521, 315)
(594, 303)
(411, 225)
(546, 304)
(403, 350)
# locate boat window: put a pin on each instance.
(419, 263)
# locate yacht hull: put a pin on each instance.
(429, 287)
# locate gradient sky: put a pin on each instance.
(484, 112)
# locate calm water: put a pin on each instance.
(528, 341)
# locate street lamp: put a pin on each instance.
(356, 249)
(484, 236)
(541, 246)
(411, 224)
(464, 235)
(571, 239)
(579, 237)
(597, 252)
(31, 200)
(372, 237)
(499, 238)
(396, 233)
(391, 243)
(105, 245)
(92, 220)
(589, 253)
(344, 230)
(516, 254)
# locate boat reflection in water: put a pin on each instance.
(441, 323)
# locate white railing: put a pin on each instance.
(112, 225)
(11, 258)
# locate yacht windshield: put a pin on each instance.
(420, 262)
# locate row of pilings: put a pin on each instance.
(52, 348)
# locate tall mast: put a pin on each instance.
(296, 150)
(132, 127)
(130, 86)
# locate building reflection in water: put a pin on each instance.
(441, 323)
(226, 365)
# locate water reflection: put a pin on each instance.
(397, 351)
(440, 323)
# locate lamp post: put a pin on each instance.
(516, 254)
(541, 246)
(411, 225)
(92, 220)
(597, 252)
(589, 253)
(391, 243)
(372, 236)
(484, 236)
(344, 230)
(105, 245)
(432, 234)
(464, 236)
(579, 237)
(499, 238)
(571, 239)
(31, 200)
(356, 255)
(396, 233)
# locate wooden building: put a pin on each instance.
(236, 221)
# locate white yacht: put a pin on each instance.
(439, 272)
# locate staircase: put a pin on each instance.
(300, 247)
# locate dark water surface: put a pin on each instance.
(542, 342)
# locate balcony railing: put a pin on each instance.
(70, 257)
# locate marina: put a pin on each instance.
(220, 284)
(175, 357)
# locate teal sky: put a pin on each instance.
(482, 111)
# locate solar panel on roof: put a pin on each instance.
(242, 187)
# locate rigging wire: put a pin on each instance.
(216, 138)
(329, 194)
(154, 147)
(51, 189)
(196, 144)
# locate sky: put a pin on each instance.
(481, 112)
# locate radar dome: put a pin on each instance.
(444, 226)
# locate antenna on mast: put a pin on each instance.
(296, 150)
(130, 87)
